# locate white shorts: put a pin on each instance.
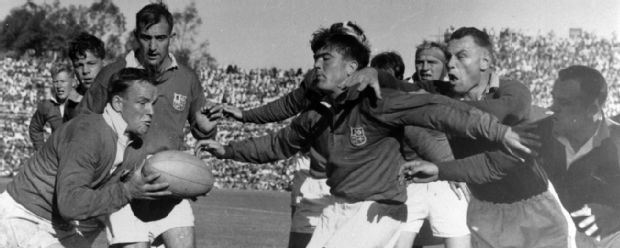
(22, 228)
(123, 226)
(357, 224)
(310, 196)
(435, 201)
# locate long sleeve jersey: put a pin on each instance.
(359, 134)
(180, 98)
(48, 111)
(493, 175)
(592, 179)
(71, 177)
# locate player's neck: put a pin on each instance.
(477, 92)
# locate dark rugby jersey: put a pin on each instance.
(359, 137)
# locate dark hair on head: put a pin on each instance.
(122, 80)
(389, 61)
(350, 46)
(151, 15)
(591, 82)
(481, 38)
(83, 43)
(430, 45)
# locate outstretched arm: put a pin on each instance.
(277, 146)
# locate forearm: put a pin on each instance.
(450, 118)
(79, 202)
(478, 169)
(260, 150)
(278, 110)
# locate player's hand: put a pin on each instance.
(519, 141)
(419, 171)
(144, 187)
(460, 189)
(364, 77)
(587, 222)
(234, 112)
(211, 146)
(207, 116)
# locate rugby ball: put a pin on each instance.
(187, 175)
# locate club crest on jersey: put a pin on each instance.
(179, 101)
(358, 137)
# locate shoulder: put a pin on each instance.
(187, 73)
(511, 85)
(107, 71)
(43, 105)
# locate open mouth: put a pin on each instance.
(426, 76)
(452, 77)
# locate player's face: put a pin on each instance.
(428, 66)
(570, 114)
(331, 69)
(154, 43)
(465, 64)
(87, 67)
(62, 85)
(137, 107)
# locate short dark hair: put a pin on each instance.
(591, 82)
(123, 79)
(151, 15)
(389, 60)
(481, 38)
(429, 45)
(351, 46)
(83, 43)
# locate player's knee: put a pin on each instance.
(179, 237)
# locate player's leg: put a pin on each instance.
(179, 237)
(298, 240)
(131, 245)
(22, 228)
(370, 224)
(448, 215)
(311, 197)
(462, 241)
(125, 230)
(417, 212)
(176, 229)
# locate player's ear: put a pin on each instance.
(117, 103)
(351, 67)
(485, 61)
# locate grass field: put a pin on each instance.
(234, 218)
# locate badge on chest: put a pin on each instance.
(179, 101)
(358, 136)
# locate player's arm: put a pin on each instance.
(96, 96)
(202, 126)
(428, 144)
(512, 105)
(80, 163)
(442, 114)
(479, 168)
(451, 117)
(285, 107)
(277, 146)
(77, 167)
(36, 128)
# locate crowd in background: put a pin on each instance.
(534, 60)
